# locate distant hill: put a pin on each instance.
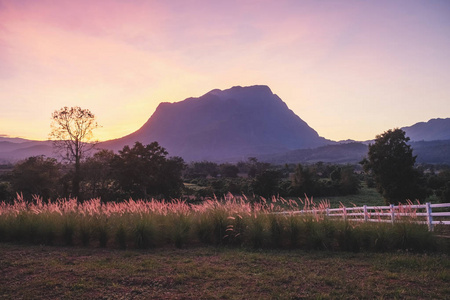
(432, 152)
(352, 152)
(234, 123)
(4, 138)
(434, 129)
(20, 149)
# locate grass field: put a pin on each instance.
(366, 196)
(42, 272)
(152, 266)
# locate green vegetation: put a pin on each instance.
(147, 172)
(206, 179)
(144, 171)
(140, 172)
(41, 272)
(391, 163)
(36, 176)
(202, 246)
(237, 222)
(365, 196)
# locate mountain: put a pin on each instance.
(4, 138)
(241, 122)
(352, 152)
(221, 125)
(430, 152)
(13, 149)
(434, 129)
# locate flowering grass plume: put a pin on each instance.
(236, 221)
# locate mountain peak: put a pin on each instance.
(254, 89)
(226, 124)
(242, 93)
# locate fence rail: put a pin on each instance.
(421, 213)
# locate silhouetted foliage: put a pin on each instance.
(228, 170)
(345, 180)
(98, 176)
(439, 183)
(319, 179)
(202, 169)
(6, 192)
(170, 182)
(256, 168)
(267, 183)
(36, 175)
(144, 171)
(391, 163)
(304, 181)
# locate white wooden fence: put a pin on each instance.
(421, 213)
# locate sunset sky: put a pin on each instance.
(351, 69)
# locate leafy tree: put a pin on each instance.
(391, 162)
(303, 181)
(72, 137)
(229, 170)
(145, 170)
(202, 169)
(256, 168)
(440, 184)
(36, 175)
(345, 180)
(98, 175)
(5, 191)
(169, 181)
(266, 184)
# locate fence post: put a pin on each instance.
(328, 212)
(392, 213)
(429, 216)
(344, 214)
(365, 213)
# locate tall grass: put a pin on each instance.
(230, 221)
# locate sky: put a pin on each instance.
(351, 69)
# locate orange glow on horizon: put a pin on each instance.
(350, 69)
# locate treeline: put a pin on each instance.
(146, 171)
(137, 172)
(436, 179)
(263, 179)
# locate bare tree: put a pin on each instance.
(71, 132)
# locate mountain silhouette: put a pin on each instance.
(434, 129)
(225, 124)
(241, 122)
